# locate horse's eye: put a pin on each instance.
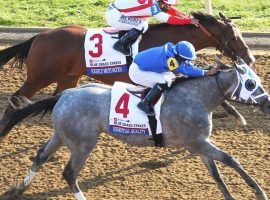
(250, 85)
(233, 39)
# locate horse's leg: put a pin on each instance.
(207, 149)
(213, 170)
(74, 167)
(42, 156)
(67, 82)
(232, 110)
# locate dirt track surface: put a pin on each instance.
(118, 171)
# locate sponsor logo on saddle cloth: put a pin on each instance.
(100, 57)
(125, 117)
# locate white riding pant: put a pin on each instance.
(117, 20)
(148, 78)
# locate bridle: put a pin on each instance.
(253, 103)
(223, 32)
(220, 46)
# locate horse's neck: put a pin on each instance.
(205, 89)
(220, 87)
(228, 81)
(158, 35)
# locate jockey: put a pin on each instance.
(156, 68)
(132, 16)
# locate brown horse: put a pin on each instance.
(57, 55)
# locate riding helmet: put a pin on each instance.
(185, 50)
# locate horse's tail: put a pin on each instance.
(18, 53)
(31, 110)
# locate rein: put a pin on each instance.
(232, 100)
(217, 41)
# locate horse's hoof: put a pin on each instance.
(241, 121)
(2, 134)
(15, 192)
(261, 196)
(4, 122)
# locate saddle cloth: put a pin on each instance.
(100, 57)
(125, 117)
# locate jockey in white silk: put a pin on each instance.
(133, 15)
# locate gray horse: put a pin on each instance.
(79, 115)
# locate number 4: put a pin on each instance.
(122, 105)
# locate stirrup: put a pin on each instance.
(149, 110)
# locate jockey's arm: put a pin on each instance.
(171, 19)
(190, 69)
(175, 12)
(168, 18)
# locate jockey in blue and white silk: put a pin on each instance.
(133, 15)
(156, 68)
(160, 64)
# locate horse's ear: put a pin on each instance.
(223, 17)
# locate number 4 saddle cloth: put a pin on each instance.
(100, 57)
(125, 117)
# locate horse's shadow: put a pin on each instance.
(110, 176)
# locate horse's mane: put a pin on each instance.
(182, 79)
(203, 17)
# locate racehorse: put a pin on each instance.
(57, 56)
(80, 114)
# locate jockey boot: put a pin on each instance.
(146, 104)
(124, 43)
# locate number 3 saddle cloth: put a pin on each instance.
(100, 57)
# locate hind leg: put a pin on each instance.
(42, 156)
(19, 100)
(74, 166)
(67, 82)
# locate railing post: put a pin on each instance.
(208, 7)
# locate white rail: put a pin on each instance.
(208, 7)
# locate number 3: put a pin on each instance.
(155, 9)
(97, 51)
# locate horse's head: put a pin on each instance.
(233, 42)
(249, 89)
(227, 37)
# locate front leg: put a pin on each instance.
(213, 170)
(232, 110)
(207, 149)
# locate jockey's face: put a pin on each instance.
(180, 59)
(163, 6)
